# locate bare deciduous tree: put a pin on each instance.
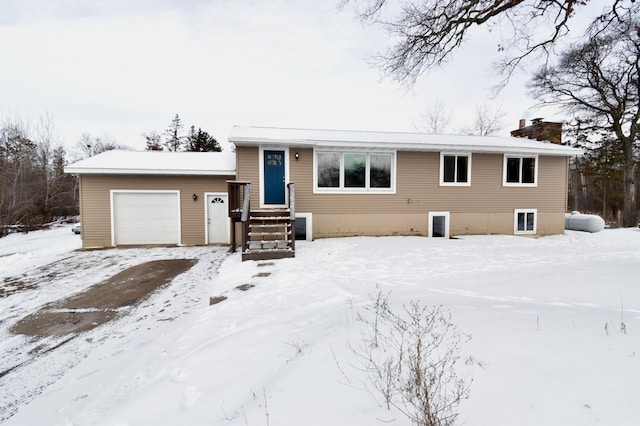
(33, 186)
(89, 145)
(600, 80)
(486, 122)
(435, 118)
(430, 31)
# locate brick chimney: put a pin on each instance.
(539, 130)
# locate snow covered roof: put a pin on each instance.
(157, 162)
(241, 135)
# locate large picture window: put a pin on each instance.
(355, 171)
(455, 169)
(520, 171)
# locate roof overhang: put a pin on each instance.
(137, 171)
(339, 139)
(157, 163)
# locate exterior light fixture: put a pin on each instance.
(195, 197)
(297, 156)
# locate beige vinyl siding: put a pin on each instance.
(247, 170)
(418, 189)
(483, 207)
(95, 203)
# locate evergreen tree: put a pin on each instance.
(174, 141)
(201, 141)
(154, 141)
(196, 141)
(64, 194)
(596, 179)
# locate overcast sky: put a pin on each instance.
(125, 67)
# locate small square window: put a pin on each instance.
(455, 169)
(274, 159)
(525, 221)
(520, 171)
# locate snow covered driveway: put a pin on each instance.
(43, 267)
(544, 316)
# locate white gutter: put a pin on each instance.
(545, 148)
(113, 171)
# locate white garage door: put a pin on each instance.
(146, 218)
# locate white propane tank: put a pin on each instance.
(583, 222)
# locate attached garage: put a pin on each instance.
(154, 198)
(145, 217)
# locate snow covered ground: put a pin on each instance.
(42, 267)
(544, 316)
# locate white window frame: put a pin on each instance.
(526, 231)
(447, 216)
(520, 184)
(455, 154)
(309, 226)
(341, 188)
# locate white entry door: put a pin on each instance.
(217, 219)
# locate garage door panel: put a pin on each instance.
(146, 218)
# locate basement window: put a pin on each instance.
(525, 221)
(304, 226)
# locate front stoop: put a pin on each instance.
(270, 235)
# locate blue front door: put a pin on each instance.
(274, 177)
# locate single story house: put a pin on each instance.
(346, 183)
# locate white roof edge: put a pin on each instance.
(109, 171)
(545, 148)
(453, 148)
(121, 162)
(241, 135)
